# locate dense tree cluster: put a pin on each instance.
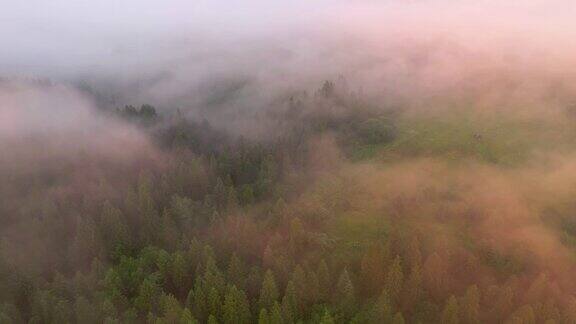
(230, 230)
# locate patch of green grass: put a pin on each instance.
(497, 139)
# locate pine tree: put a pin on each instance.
(168, 231)
(276, 314)
(412, 291)
(301, 288)
(290, 304)
(327, 318)
(213, 277)
(179, 273)
(243, 307)
(115, 232)
(171, 308)
(413, 254)
(435, 276)
(450, 313)
(213, 302)
(148, 293)
(382, 310)
(399, 319)
(345, 294)
(235, 271)
(371, 270)
(212, 319)
(254, 281)
(62, 312)
(263, 318)
(230, 308)
(313, 287)
(269, 291)
(187, 317)
(470, 306)
(196, 301)
(85, 311)
(525, 314)
(394, 279)
(231, 199)
(324, 281)
(147, 211)
(503, 303)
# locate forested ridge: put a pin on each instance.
(346, 213)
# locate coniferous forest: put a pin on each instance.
(350, 217)
(225, 162)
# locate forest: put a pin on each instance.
(359, 215)
(288, 162)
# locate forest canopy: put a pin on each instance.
(395, 162)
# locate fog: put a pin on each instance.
(177, 54)
(476, 98)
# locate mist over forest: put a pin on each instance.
(329, 161)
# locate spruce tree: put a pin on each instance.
(394, 279)
(470, 306)
(269, 291)
(450, 312)
(345, 294)
(324, 281)
(327, 318)
(263, 318)
(399, 319)
(276, 314)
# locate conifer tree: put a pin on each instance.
(470, 306)
(235, 271)
(212, 319)
(382, 310)
(276, 314)
(345, 294)
(301, 287)
(85, 312)
(290, 304)
(269, 291)
(451, 311)
(327, 318)
(394, 279)
(371, 270)
(412, 291)
(213, 302)
(187, 317)
(398, 319)
(263, 318)
(324, 281)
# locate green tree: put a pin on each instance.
(276, 314)
(235, 271)
(212, 319)
(290, 304)
(371, 270)
(327, 318)
(398, 319)
(301, 286)
(324, 281)
(470, 306)
(450, 312)
(213, 302)
(269, 291)
(148, 293)
(345, 294)
(394, 279)
(263, 318)
(382, 310)
(187, 317)
(230, 309)
(85, 311)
